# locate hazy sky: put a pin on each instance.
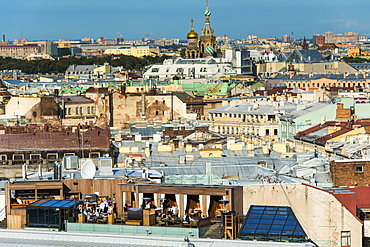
(135, 19)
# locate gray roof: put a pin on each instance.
(360, 66)
(307, 110)
(82, 68)
(231, 164)
(305, 56)
(73, 99)
(259, 109)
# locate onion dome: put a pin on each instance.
(209, 50)
(192, 34)
(207, 13)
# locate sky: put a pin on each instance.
(136, 19)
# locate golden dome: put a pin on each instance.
(192, 35)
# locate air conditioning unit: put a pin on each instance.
(70, 162)
(105, 166)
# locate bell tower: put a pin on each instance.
(207, 43)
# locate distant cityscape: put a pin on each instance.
(206, 141)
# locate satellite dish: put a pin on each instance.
(88, 169)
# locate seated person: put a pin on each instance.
(192, 212)
(187, 218)
(174, 210)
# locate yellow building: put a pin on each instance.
(103, 70)
(135, 51)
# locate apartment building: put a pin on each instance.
(19, 51)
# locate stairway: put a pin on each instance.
(214, 231)
(216, 88)
(4, 224)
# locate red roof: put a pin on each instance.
(360, 199)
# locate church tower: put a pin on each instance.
(192, 51)
(207, 43)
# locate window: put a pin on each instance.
(76, 110)
(275, 132)
(18, 156)
(81, 110)
(179, 70)
(345, 238)
(94, 155)
(88, 110)
(52, 156)
(359, 169)
(267, 132)
(271, 223)
(156, 113)
(155, 70)
(69, 154)
(3, 157)
(270, 117)
(35, 157)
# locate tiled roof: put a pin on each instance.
(96, 138)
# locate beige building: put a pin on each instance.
(324, 218)
(145, 107)
(30, 110)
(317, 67)
(251, 116)
(136, 51)
(19, 51)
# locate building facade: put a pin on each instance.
(19, 51)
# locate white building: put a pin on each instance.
(198, 68)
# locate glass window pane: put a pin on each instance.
(254, 216)
(276, 232)
(268, 216)
(279, 222)
(270, 212)
(298, 233)
(290, 222)
(278, 227)
(263, 227)
(262, 231)
(289, 227)
(280, 217)
(251, 226)
(269, 222)
(252, 221)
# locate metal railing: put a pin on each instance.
(3, 213)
